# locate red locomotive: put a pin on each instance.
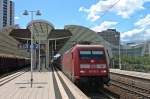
(87, 63)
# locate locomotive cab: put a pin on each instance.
(87, 63)
(91, 63)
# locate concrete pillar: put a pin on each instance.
(52, 50)
(39, 56)
(47, 54)
(149, 48)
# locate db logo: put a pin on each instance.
(92, 61)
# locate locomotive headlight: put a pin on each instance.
(84, 65)
(104, 71)
(101, 65)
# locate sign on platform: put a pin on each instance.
(28, 46)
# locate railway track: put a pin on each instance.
(11, 76)
(64, 88)
(91, 92)
(94, 92)
(101, 94)
(129, 87)
(131, 91)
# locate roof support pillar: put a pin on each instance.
(47, 54)
(55, 44)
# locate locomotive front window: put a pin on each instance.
(91, 54)
(97, 54)
(85, 54)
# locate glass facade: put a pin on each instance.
(11, 13)
(5, 4)
(6, 13)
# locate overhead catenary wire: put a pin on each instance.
(113, 5)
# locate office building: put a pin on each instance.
(6, 13)
(111, 35)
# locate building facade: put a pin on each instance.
(139, 49)
(111, 35)
(6, 13)
(113, 38)
(12, 7)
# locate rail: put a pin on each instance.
(70, 90)
(8, 78)
(130, 85)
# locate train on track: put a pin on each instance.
(9, 63)
(86, 63)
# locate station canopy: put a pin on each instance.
(81, 34)
(40, 29)
(59, 39)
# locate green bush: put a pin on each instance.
(135, 63)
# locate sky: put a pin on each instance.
(130, 17)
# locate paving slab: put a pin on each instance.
(20, 88)
(132, 73)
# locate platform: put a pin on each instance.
(19, 88)
(48, 84)
(131, 73)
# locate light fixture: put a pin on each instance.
(25, 12)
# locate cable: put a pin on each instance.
(106, 11)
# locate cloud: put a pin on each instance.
(147, 32)
(83, 9)
(132, 33)
(124, 8)
(103, 26)
(92, 13)
(141, 30)
(17, 18)
(144, 21)
(137, 36)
